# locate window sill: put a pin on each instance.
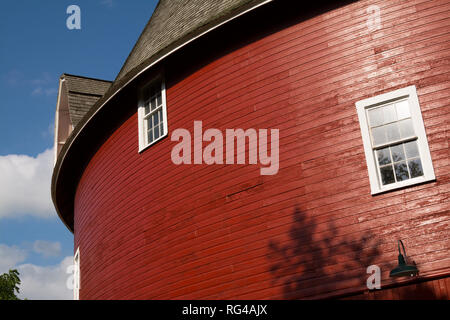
(403, 184)
(142, 149)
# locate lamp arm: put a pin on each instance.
(404, 251)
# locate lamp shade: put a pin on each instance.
(403, 269)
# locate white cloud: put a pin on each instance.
(45, 283)
(37, 91)
(45, 78)
(108, 3)
(47, 248)
(37, 282)
(10, 257)
(50, 132)
(25, 185)
(44, 85)
(50, 92)
(13, 78)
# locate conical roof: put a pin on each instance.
(173, 21)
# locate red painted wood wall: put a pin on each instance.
(148, 229)
(417, 290)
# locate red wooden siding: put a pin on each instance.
(148, 229)
(423, 290)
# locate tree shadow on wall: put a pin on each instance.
(315, 259)
(307, 266)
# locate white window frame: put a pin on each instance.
(76, 275)
(409, 93)
(143, 143)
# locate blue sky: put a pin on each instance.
(36, 48)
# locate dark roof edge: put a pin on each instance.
(130, 77)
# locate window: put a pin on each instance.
(395, 141)
(152, 114)
(76, 275)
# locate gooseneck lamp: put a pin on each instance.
(403, 269)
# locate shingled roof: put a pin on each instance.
(82, 94)
(173, 20)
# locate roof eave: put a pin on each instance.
(123, 82)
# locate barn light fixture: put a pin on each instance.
(403, 268)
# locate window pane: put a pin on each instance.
(160, 115)
(397, 153)
(155, 119)
(149, 123)
(389, 114)
(384, 157)
(401, 171)
(411, 149)
(387, 175)
(150, 135)
(147, 108)
(156, 132)
(376, 117)
(392, 132)
(415, 168)
(402, 110)
(406, 128)
(379, 135)
(153, 104)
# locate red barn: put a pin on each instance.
(165, 202)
